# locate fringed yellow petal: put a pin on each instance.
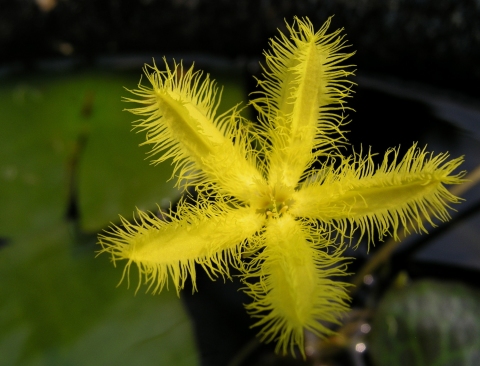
(235, 169)
(355, 195)
(171, 245)
(303, 85)
(180, 123)
(294, 290)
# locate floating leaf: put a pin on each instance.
(428, 323)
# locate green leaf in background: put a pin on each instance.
(428, 323)
(61, 307)
(34, 149)
(65, 136)
(42, 121)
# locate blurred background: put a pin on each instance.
(69, 165)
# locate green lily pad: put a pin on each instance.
(34, 148)
(43, 120)
(60, 306)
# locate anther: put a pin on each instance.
(283, 210)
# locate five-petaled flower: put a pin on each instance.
(277, 191)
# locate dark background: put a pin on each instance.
(435, 41)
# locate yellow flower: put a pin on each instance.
(258, 193)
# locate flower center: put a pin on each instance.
(276, 209)
(275, 203)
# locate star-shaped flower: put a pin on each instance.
(277, 191)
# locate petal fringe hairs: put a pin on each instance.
(258, 193)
